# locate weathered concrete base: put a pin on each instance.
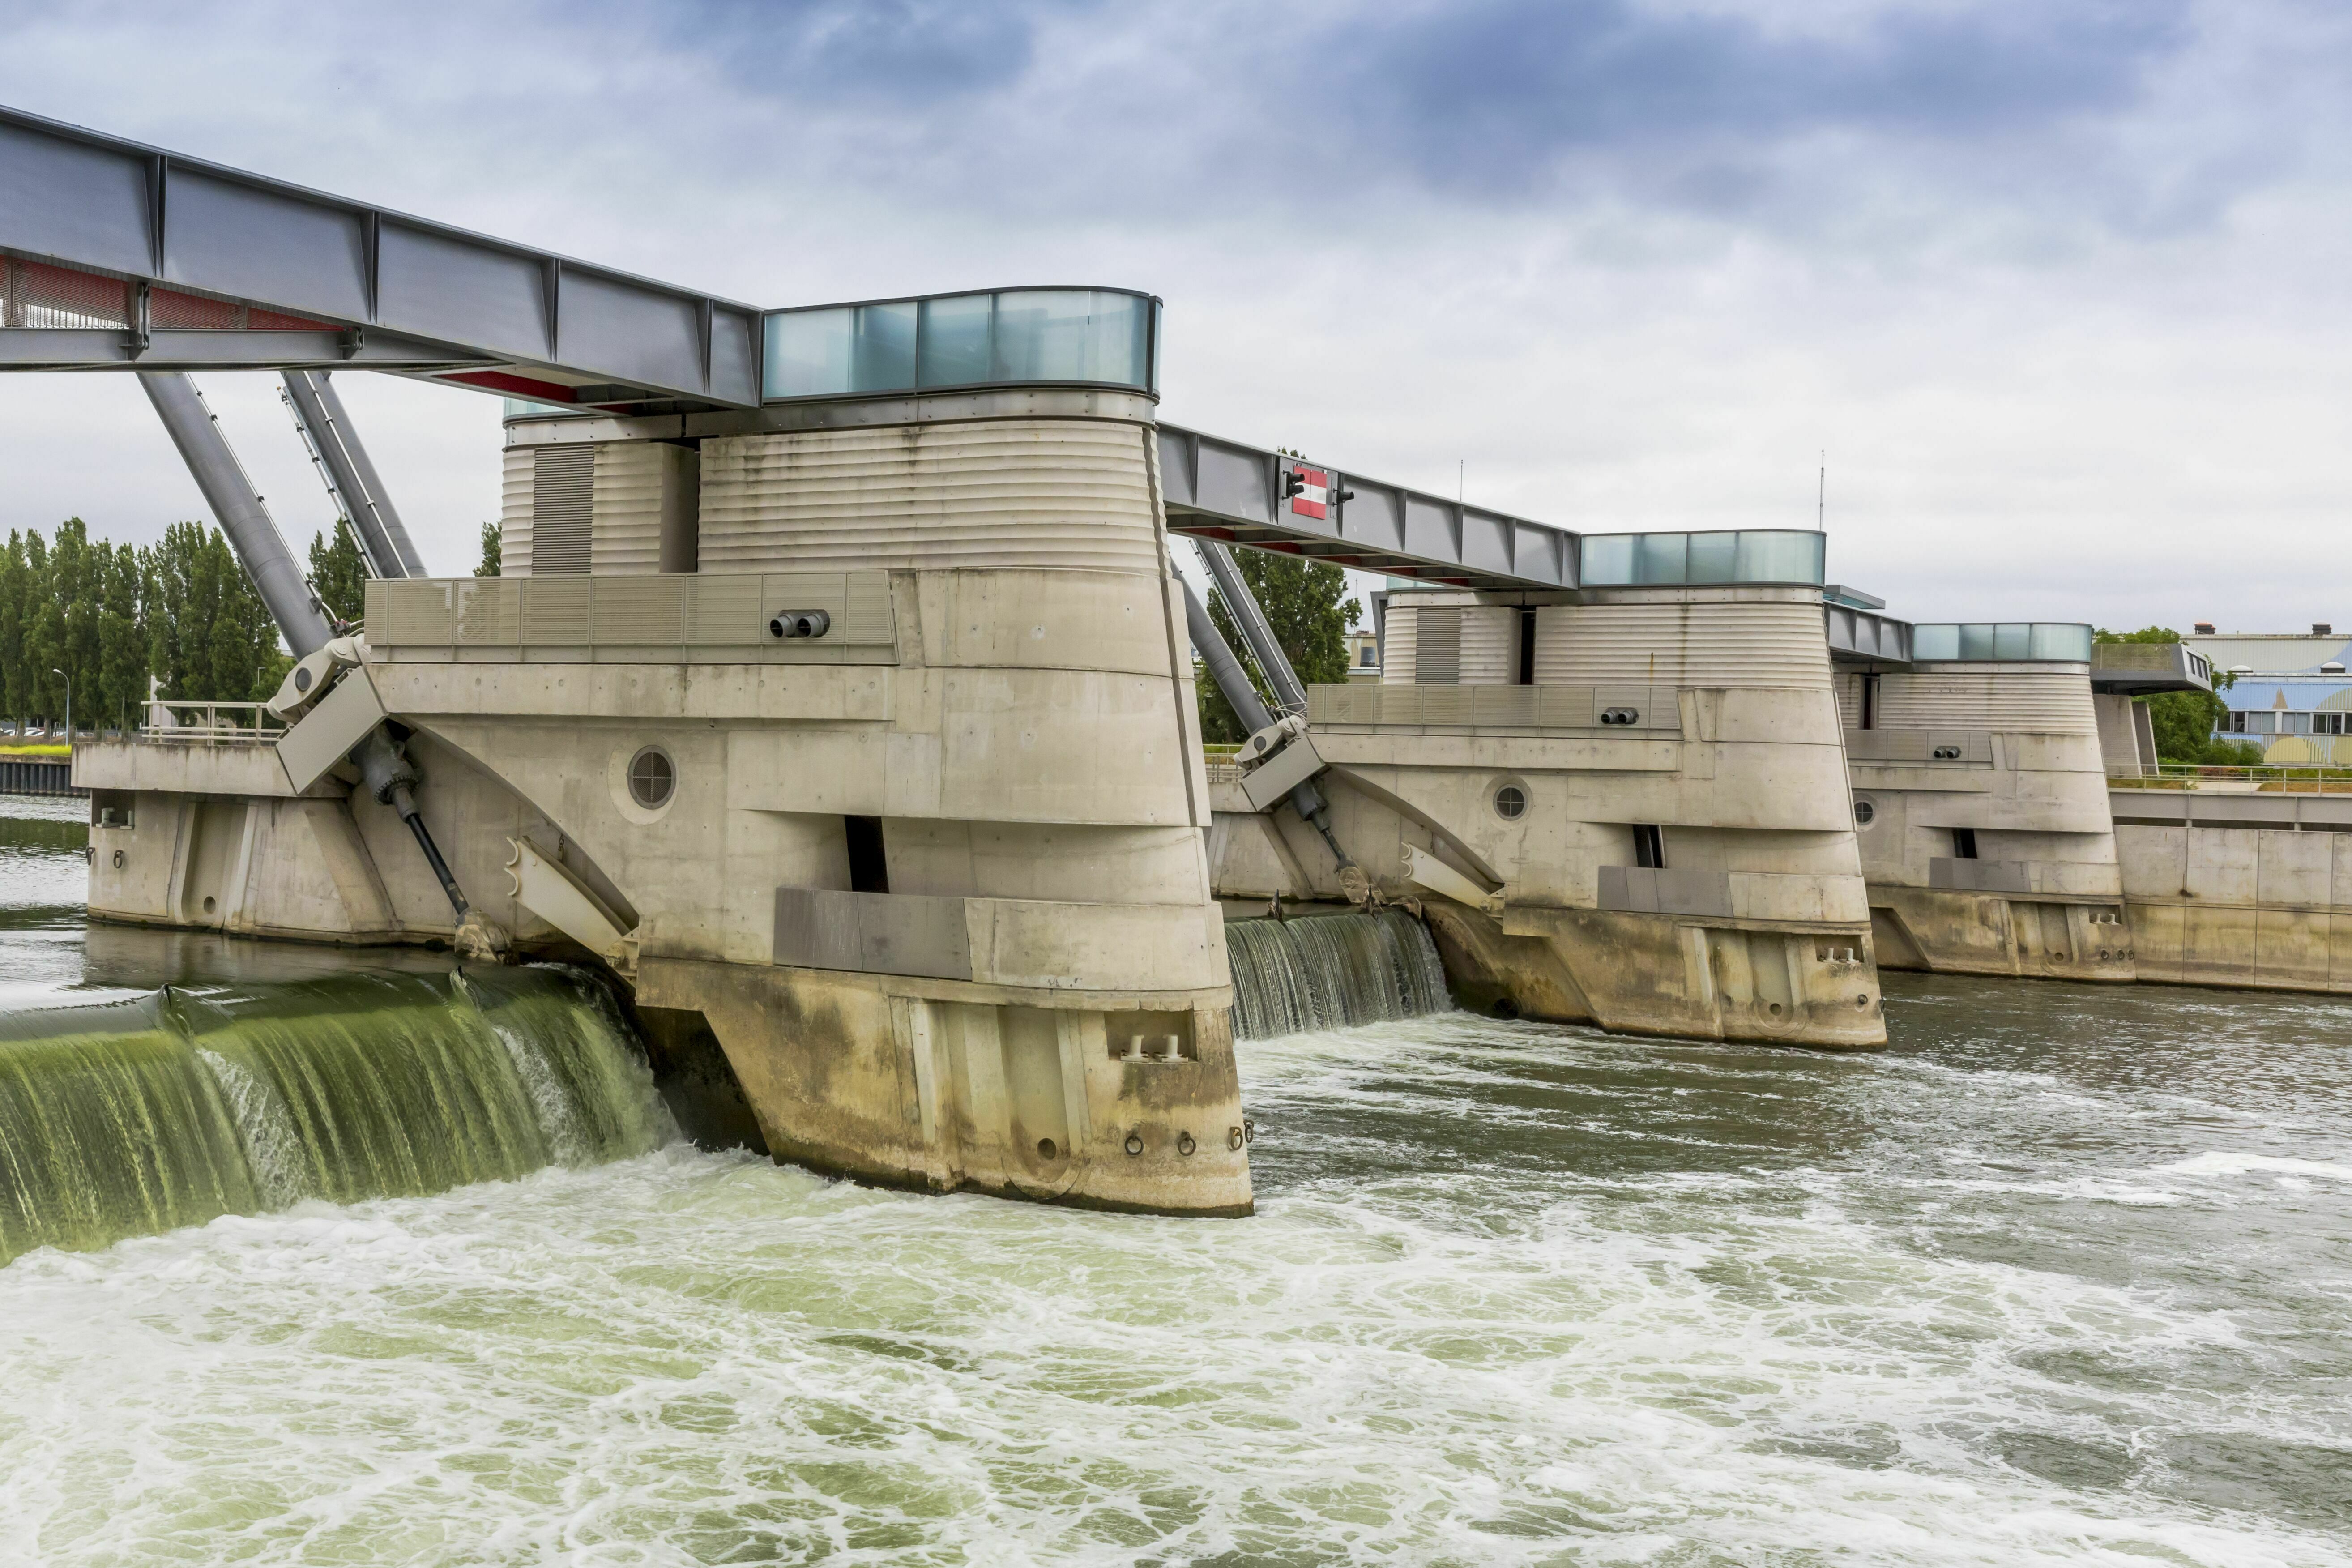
(1664, 974)
(1947, 931)
(2242, 890)
(2243, 947)
(950, 1086)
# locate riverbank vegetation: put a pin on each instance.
(2184, 722)
(100, 619)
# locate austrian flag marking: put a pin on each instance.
(1314, 498)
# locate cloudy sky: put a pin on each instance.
(2061, 288)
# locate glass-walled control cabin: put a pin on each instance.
(1748, 555)
(1003, 337)
(2025, 642)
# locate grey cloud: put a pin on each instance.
(890, 53)
(1493, 95)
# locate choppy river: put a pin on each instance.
(2062, 1277)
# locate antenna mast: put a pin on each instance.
(1821, 503)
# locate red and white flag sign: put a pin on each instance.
(1314, 498)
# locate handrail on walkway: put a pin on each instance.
(2266, 778)
(211, 724)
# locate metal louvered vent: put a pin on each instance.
(561, 482)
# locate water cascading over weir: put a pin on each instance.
(1331, 971)
(180, 1106)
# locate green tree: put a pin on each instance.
(121, 637)
(1301, 601)
(63, 633)
(17, 586)
(493, 550)
(338, 573)
(2184, 722)
(210, 637)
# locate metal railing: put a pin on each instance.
(2267, 778)
(211, 724)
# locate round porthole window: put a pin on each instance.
(1510, 803)
(1863, 813)
(652, 777)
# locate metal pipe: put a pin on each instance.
(276, 575)
(1223, 667)
(370, 562)
(1243, 605)
(320, 407)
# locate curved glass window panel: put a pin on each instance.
(1605, 560)
(955, 341)
(1933, 642)
(2058, 640)
(808, 352)
(1071, 334)
(882, 353)
(1662, 558)
(1780, 555)
(1713, 558)
(2040, 642)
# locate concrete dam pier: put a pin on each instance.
(896, 785)
(1624, 804)
(1979, 800)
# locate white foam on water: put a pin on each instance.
(2226, 1165)
(568, 1143)
(1420, 1352)
(687, 1358)
(273, 1148)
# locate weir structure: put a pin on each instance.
(1979, 799)
(1607, 769)
(835, 696)
(2014, 821)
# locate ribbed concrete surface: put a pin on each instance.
(1712, 644)
(1490, 646)
(1014, 492)
(625, 503)
(516, 488)
(2039, 700)
(1399, 646)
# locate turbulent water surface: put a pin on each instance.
(2061, 1278)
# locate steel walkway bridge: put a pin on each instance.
(118, 255)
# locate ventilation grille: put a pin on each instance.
(563, 483)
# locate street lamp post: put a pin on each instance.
(68, 680)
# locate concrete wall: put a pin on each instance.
(2010, 752)
(2249, 889)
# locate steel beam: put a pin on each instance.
(1221, 489)
(1858, 635)
(210, 266)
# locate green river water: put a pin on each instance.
(2062, 1277)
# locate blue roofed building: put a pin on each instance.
(2291, 693)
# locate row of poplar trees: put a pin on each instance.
(109, 616)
